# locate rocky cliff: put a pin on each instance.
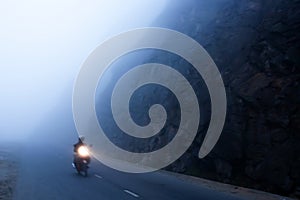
(256, 47)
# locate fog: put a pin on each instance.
(42, 47)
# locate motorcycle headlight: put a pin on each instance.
(83, 151)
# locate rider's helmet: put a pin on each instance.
(81, 138)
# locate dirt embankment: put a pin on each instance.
(8, 173)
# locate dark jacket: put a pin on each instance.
(77, 145)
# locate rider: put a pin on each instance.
(79, 143)
(76, 147)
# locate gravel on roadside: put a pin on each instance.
(241, 192)
(8, 173)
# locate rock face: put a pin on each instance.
(256, 46)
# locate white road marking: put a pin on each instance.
(98, 176)
(131, 193)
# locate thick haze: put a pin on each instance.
(44, 43)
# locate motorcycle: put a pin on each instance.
(82, 160)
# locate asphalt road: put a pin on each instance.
(46, 174)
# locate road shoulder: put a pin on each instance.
(8, 171)
(236, 191)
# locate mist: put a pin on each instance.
(43, 45)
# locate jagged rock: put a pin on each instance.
(278, 135)
(250, 87)
(256, 46)
(223, 168)
(254, 43)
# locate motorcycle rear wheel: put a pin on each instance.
(85, 173)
